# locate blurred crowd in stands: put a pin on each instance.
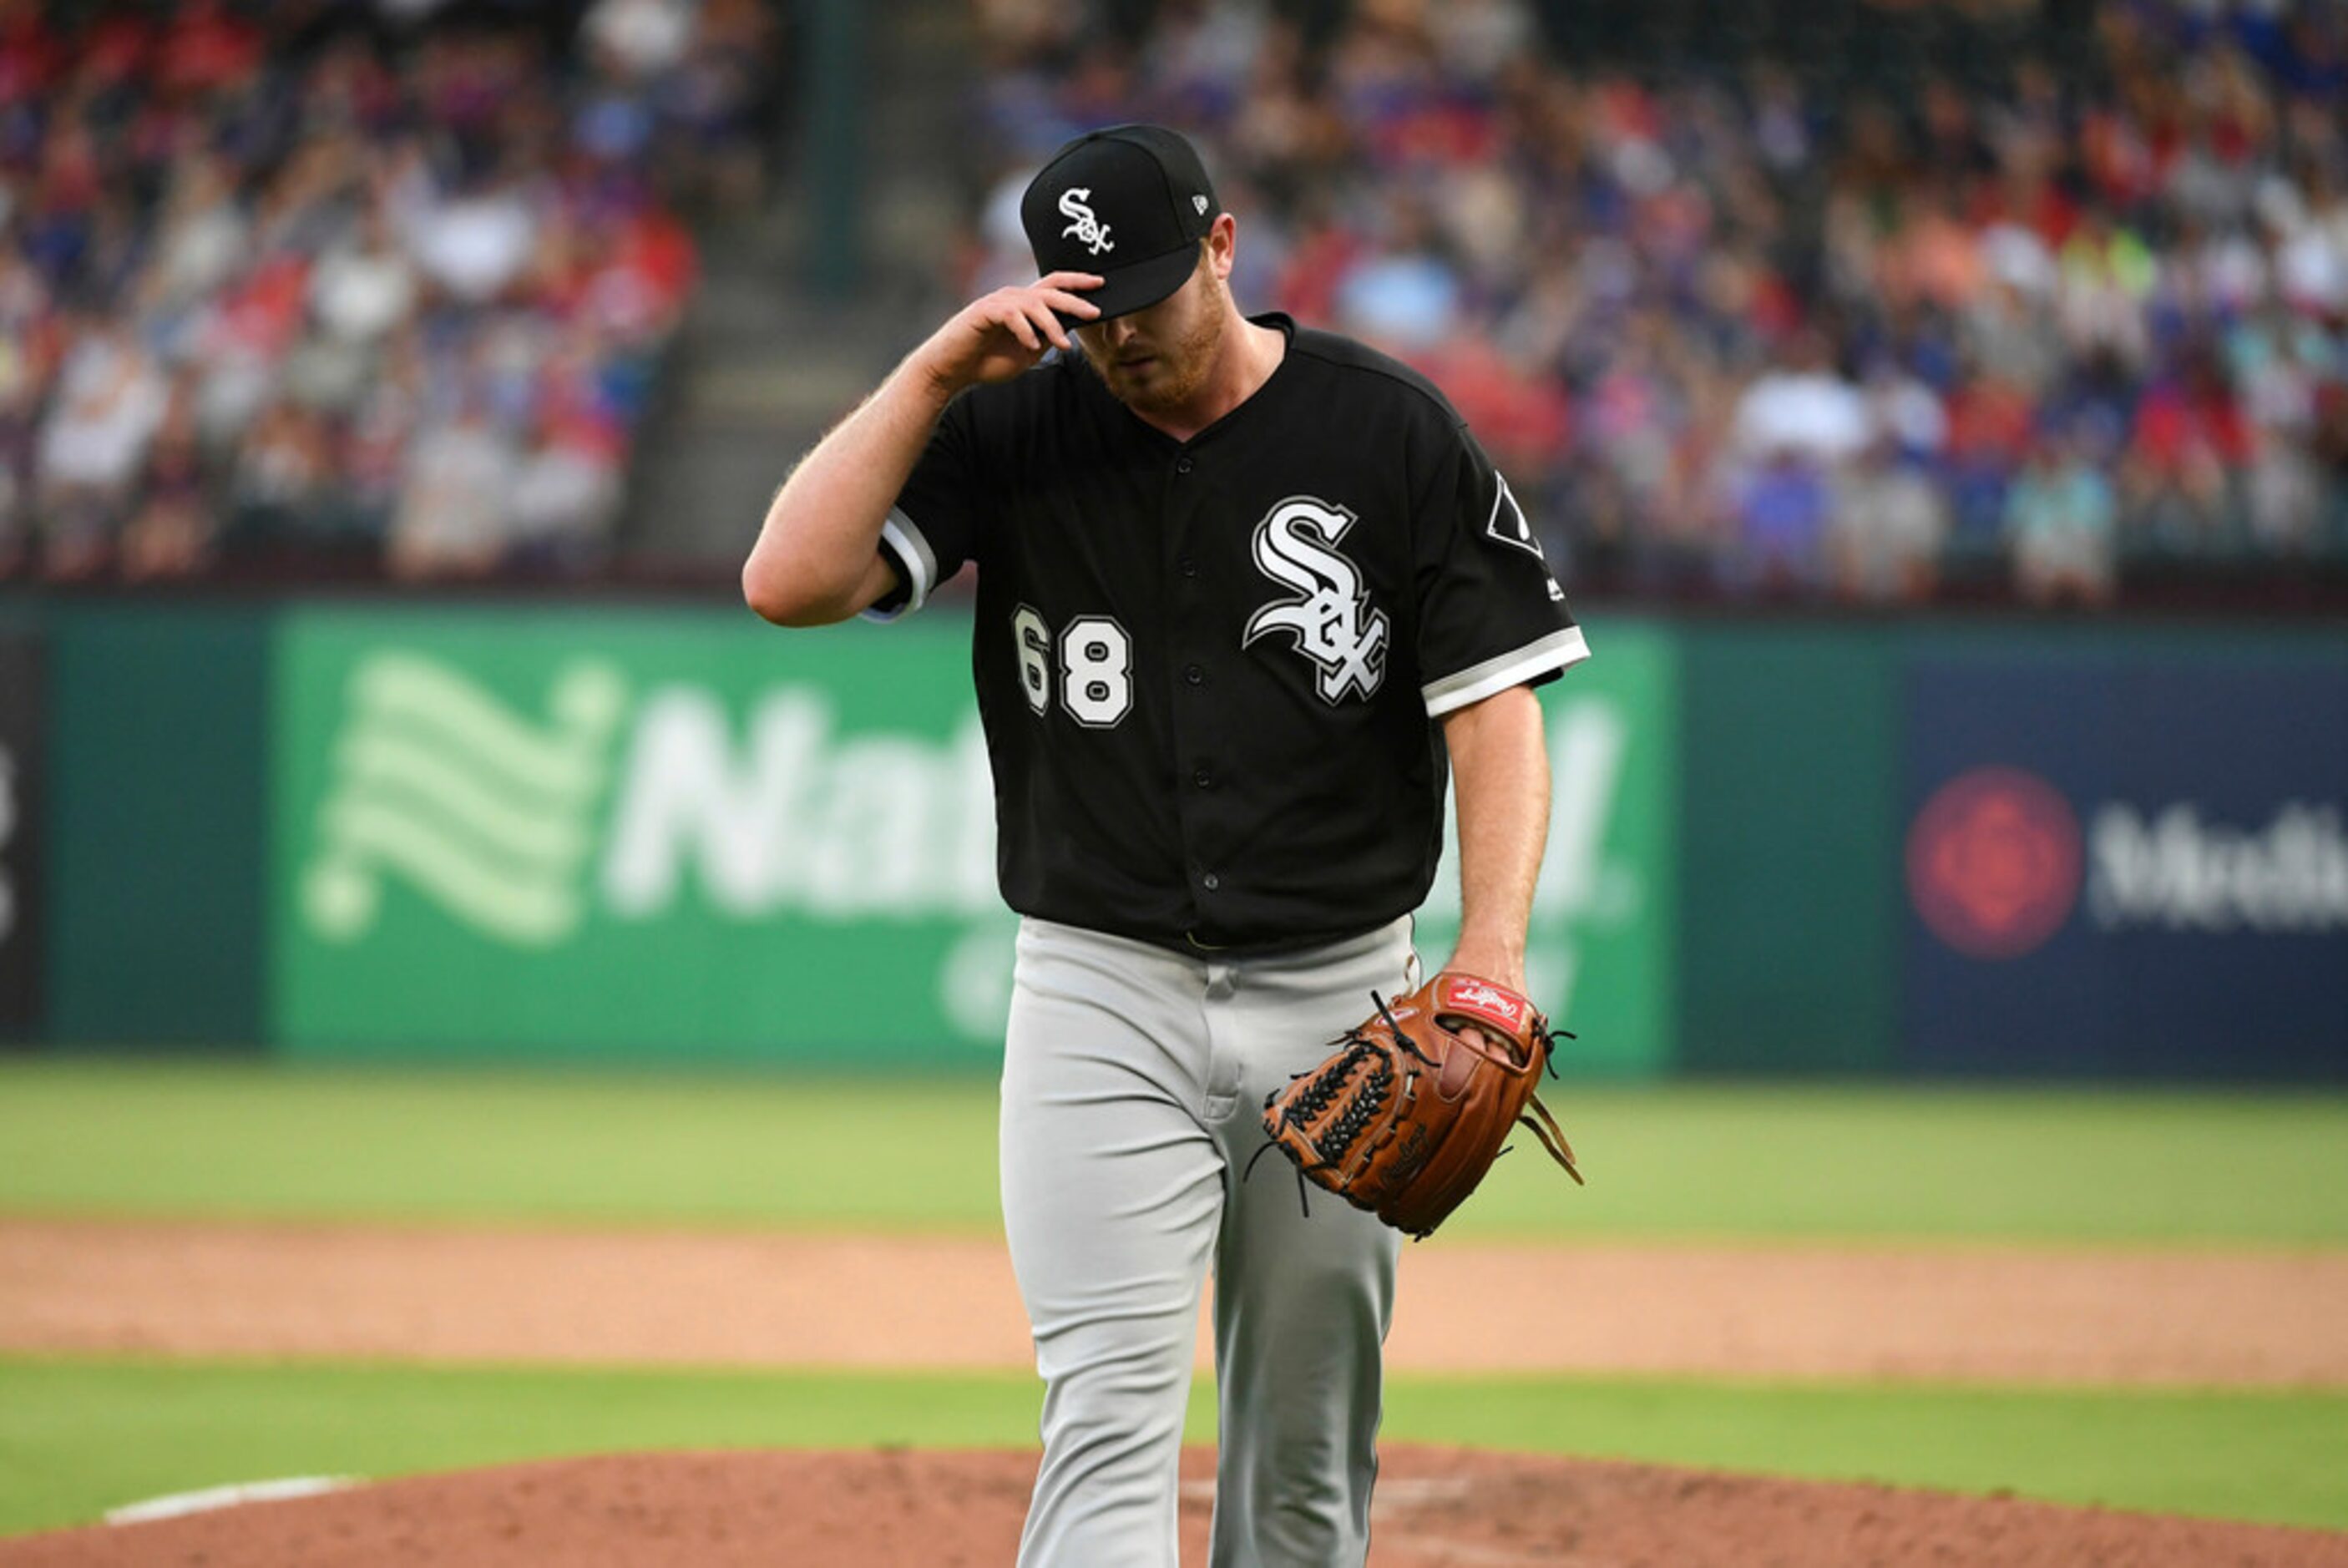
(1884, 301)
(363, 284)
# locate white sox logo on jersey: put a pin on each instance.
(1088, 228)
(1330, 617)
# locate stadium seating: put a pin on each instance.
(351, 287)
(1886, 301)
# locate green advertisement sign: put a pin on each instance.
(649, 836)
(636, 836)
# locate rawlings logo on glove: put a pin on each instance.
(1407, 1115)
(1505, 1007)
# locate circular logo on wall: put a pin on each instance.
(1994, 862)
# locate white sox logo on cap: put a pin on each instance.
(1087, 229)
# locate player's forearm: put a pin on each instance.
(1500, 771)
(817, 558)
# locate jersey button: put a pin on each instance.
(1210, 882)
(1203, 780)
(1182, 464)
(1194, 675)
(1188, 567)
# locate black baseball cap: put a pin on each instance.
(1130, 204)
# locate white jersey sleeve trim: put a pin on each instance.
(904, 540)
(1477, 682)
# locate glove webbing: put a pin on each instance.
(1328, 1082)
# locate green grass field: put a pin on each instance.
(2048, 1168)
(2056, 1167)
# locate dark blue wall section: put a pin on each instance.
(2120, 862)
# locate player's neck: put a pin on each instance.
(1248, 356)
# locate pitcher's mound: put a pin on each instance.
(1436, 1508)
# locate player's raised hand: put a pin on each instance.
(1001, 334)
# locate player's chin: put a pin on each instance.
(1133, 381)
(1152, 391)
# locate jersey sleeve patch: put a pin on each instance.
(1509, 526)
(901, 539)
(1560, 650)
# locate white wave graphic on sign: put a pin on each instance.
(485, 811)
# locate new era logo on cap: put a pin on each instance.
(1129, 203)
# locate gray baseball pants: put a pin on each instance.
(1133, 1083)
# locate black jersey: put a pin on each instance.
(1207, 668)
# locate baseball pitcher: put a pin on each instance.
(1248, 595)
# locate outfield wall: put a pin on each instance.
(630, 834)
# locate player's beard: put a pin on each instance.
(1180, 363)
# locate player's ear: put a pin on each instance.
(1221, 243)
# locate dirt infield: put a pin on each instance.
(2203, 1318)
(2196, 1319)
(1437, 1509)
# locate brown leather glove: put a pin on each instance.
(1411, 1112)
